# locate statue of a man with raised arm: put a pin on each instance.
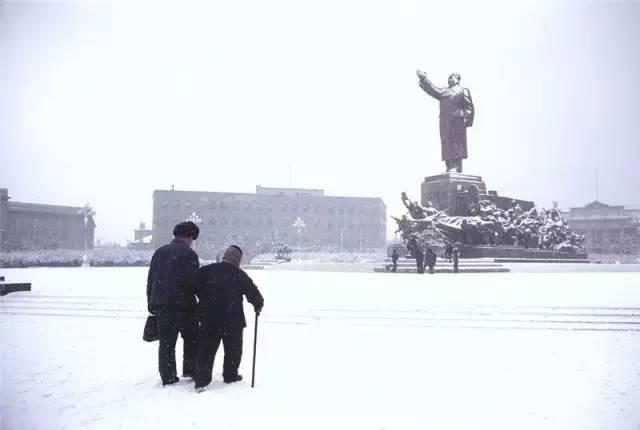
(456, 114)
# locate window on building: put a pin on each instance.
(212, 206)
(284, 207)
(597, 236)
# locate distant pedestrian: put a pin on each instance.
(456, 259)
(416, 252)
(220, 291)
(448, 252)
(170, 296)
(430, 260)
(394, 259)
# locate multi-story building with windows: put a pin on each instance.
(607, 229)
(267, 217)
(38, 226)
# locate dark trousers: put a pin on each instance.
(395, 265)
(209, 341)
(171, 321)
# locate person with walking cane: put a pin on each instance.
(220, 291)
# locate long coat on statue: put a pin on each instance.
(456, 114)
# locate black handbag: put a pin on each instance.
(150, 333)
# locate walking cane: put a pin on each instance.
(255, 340)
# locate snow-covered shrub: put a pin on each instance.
(42, 258)
(119, 257)
(328, 257)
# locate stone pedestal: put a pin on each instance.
(454, 192)
(443, 191)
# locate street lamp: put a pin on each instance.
(86, 211)
(195, 219)
(299, 225)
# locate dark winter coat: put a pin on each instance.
(220, 290)
(172, 276)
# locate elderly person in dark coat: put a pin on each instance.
(170, 296)
(220, 292)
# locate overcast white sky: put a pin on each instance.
(105, 103)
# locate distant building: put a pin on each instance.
(607, 229)
(141, 238)
(266, 217)
(38, 226)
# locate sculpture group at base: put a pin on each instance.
(488, 225)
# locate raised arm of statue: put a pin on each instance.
(469, 110)
(428, 87)
(405, 200)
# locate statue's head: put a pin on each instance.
(454, 79)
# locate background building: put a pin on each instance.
(607, 229)
(38, 226)
(262, 219)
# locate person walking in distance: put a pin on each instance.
(456, 259)
(430, 259)
(220, 291)
(394, 259)
(448, 252)
(170, 297)
(416, 252)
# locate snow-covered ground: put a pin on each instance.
(335, 350)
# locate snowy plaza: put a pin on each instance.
(335, 350)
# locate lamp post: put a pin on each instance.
(195, 219)
(299, 225)
(86, 211)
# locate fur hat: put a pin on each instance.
(233, 255)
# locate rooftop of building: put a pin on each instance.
(41, 208)
(271, 191)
